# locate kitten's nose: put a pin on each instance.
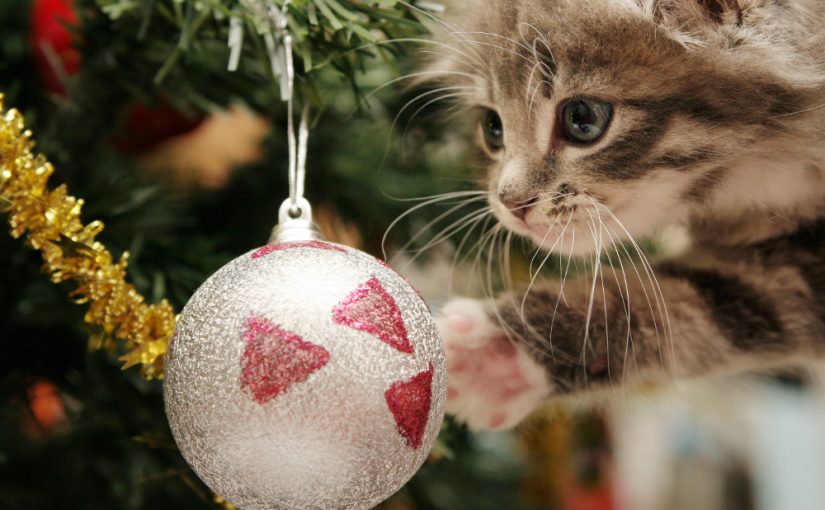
(519, 209)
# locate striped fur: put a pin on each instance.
(719, 117)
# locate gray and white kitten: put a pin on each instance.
(605, 120)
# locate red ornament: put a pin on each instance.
(275, 359)
(409, 402)
(371, 309)
(52, 42)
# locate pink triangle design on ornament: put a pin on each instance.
(274, 359)
(270, 248)
(370, 308)
(410, 401)
(388, 266)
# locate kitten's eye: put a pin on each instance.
(493, 130)
(585, 120)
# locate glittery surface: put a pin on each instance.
(270, 248)
(410, 402)
(275, 359)
(372, 309)
(329, 442)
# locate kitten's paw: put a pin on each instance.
(492, 382)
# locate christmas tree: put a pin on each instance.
(184, 161)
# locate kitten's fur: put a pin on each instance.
(718, 124)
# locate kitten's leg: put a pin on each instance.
(718, 319)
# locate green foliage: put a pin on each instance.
(329, 36)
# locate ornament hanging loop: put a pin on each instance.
(294, 211)
(295, 214)
(283, 67)
(295, 223)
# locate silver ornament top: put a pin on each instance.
(295, 223)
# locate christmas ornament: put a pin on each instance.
(304, 374)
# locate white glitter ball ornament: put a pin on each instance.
(305, 375)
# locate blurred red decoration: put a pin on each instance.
(52, 42)
(600, 497)
(57, 57)
(46, 414)
(145, 127)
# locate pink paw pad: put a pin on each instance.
(461, 323)
(494, 384)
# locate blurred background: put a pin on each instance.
(185, 163)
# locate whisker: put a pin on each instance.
(550, 350)
(440, 196)
(540, 199)
(424, 106)
(533, 97)
(475, 64)
(429, 201)
(491, 45)
(590, 303)
(657, 291)
(799, 112)
(489, 291)
(625, 298)
(625, 302)
(444, 233)
(428, 93)
(598, 237)
(477, 60)
(529, 85)
(530, 272)
(430, 102)
(456, 90)
(506, 262)
(408, 77)
(486, 285)
(647, 296)
(420, 97)
(478, 246)
(561, 284)
(656, 287)
(490, 34)
(451, 229)
(535, 275)
(543, 37)
(472, 226)
(439, 22)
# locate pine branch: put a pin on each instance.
(339, 36)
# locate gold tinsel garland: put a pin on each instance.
(50, 220)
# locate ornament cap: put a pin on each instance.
(295, 223)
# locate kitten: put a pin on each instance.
(605, 120)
